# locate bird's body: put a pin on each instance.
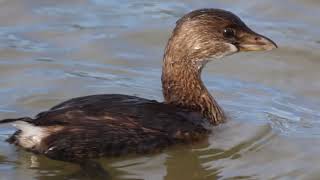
(106, 125)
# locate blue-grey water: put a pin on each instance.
(54, 50)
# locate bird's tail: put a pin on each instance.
(27, 134)
(25, 119)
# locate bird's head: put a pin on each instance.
(207, 34)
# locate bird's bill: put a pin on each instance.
(256, 42)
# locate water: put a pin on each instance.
(54, 50)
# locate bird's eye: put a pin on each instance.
(229, 33)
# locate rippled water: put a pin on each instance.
(54, 50)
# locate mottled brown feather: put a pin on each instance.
(110, 125)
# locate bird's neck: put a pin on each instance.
(183, 87)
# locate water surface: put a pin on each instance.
(54, 50)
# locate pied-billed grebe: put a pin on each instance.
(114, 124)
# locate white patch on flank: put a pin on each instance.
(30, 136)
(50, 149)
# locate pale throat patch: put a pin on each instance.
(231, 50)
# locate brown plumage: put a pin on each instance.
(113, 124)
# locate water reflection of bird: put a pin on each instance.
(112, 124)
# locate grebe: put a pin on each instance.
(113, 124)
